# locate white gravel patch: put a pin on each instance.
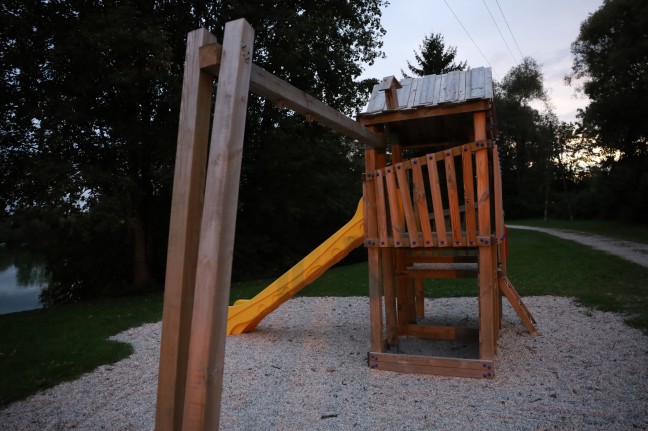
(304, 368)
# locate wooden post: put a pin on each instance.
(487, 279)
(373, 158)
(186, 209)
(213, 277)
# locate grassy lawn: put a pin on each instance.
(41, 348)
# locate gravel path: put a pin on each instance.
(305, 369)
(628, 250)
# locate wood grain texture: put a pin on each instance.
(213, 276)
(184, 234)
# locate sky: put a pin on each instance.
(543, 30)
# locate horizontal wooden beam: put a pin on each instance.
(475, 368)
(439, 332)
(423, 112)
(265, 84)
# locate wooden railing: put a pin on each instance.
(450, 198)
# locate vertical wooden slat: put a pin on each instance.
(419, 293)
(397, 222)
(453, 198)
(413, 227)
(389, 281)
(373, 161)
(437, 203)
(487, 252)
(381, 207)
(469, 195)
(497, 190)
(421, 202)
(213, 275)
(184, 234)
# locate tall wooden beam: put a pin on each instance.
(213, 277)
(487, 257)
(186, 211)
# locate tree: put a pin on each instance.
(434, 58)
(611, 55)
(88, 139)
(526, 139)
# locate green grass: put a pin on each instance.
(613, 229)
(41, 348)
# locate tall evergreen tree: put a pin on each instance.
(434, 58)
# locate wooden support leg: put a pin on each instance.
(184, 234)
(213, 276)
(419, 292)
(390, 296)
(375, 300)
(487, 290)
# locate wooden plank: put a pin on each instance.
(488, 83)
(443, 91)
(475, 368)
(388, 256)
(397, 222)
(487, 252)
(184, 234)
(419, 296)
(381, 207)
(483, 188)
(376, 101)
(421, 201)
(436, 95)
(423, 112)
(441, 332)
(439, 273)
(413, 93)
(497, 190)
(461, 88)
(213, 275)
(453, 199)
(453, 86)
(413, 227)
(437, 203)
(469, 195)
(477, 84)
(267, 85)
(518, 305)
(374, 159)
(271, 87)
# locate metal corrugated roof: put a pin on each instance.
(431, 90)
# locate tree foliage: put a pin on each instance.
(88, 136)
(527, 139)
(611, 59)
(611, 55)
(434, 58)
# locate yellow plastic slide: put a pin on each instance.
(246, 314)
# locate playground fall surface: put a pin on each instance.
(304, 368)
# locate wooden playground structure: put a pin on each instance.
(432, 209)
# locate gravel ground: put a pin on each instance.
(304, 368)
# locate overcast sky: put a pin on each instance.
(543, 29)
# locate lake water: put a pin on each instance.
(20, 285)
